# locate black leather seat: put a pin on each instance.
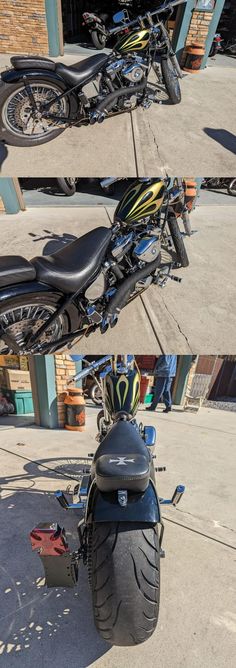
(29, 62)
(122, 460)
(83, 71)
(75, 266)
(15, 269)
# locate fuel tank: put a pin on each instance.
(142, 199)
(122, 392)
(134, 41)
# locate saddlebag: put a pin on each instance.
(15, 269)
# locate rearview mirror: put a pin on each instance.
(119, 17)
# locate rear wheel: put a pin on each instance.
(23, 316)
(20, 124)
(171, 80)
(67, 185)
(98, 39)
(124, 571)
(176, 235)
(232, 188)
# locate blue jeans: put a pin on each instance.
(162, 389)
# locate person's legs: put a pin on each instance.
(158, 391)
(167, 393)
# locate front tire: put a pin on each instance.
(124, 571)
(11, 118)
(171, 80)
(176, 235)
(96, 394)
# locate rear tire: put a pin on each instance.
(67, 185)
(232, 188)
(47, 301)
(182, 257)
(12, 139)
(124, 570)
(99, 40)
(171, 80)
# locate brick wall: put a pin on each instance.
(64, 369)
(198, 29)
(23, 27)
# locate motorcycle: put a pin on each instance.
(216, 45)
(68, 185)
(51, 301)
(213, 182)
(98, 22)
(119, 537)
(40, 98)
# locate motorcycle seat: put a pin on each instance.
(75, 266)
(83, 71)
(15, 269)
(31, 62)
(122, 460)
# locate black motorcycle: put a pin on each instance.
(53, 300)
(40, 98)
(118, 533)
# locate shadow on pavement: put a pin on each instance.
(223, 137)
(3, 153)
(31, 615)
(56, 241)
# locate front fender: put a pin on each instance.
(143, 508)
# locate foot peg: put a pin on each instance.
(60, 565)
(97, 117)
(178, 493)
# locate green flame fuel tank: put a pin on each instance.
(134, 41)
(122, 392)
(141, 199)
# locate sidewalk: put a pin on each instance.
(195, 316)
(196, 136)
(199, 539)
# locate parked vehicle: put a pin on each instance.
(68, 185)
(216, 45)
(119, 537)
(40, 98)
(227, 183)
(100, 21)
(52, 300)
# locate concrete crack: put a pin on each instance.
(178, 325)
(157, 147)
(200, 517)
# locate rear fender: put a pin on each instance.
(104, 507)
(35, 288)
(15, 76)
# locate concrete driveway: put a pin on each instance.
(186, 317)
(197, 615)
(197, 136)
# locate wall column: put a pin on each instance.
(43, 381)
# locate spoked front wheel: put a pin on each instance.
(171, 80)
(22, 125)
(20, 322)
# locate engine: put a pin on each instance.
(133, 69)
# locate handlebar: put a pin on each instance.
(128, 24)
